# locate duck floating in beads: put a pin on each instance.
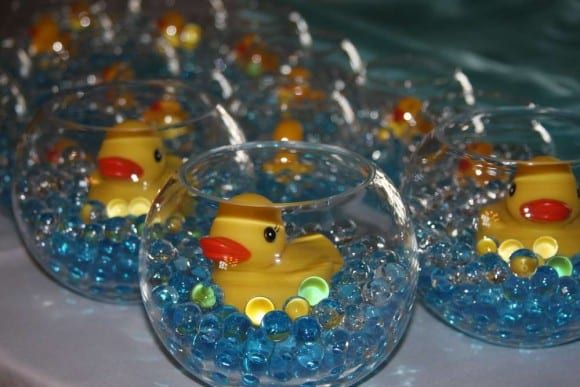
(132, 166)
(46, 37)
(406, 120)
(288, 129)
(256, 263)
(543, 201)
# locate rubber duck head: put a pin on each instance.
(45, 36)
(288, 129)
(544, 190)
(247, 230)
(132, 151)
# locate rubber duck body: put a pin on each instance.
(132, 166)
(247, 241)
(543, 200)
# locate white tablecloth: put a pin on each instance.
(52, 337)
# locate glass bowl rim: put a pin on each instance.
(283, 145)
(441, 132)
(55, 102)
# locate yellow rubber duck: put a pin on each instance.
(288, 129)
(167, 113)
(247, 240)
(406, 120)
(177, 32)
(543, 201)
(46, 36)
(132, 166)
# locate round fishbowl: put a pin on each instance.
(89, 167)
(495, 199)
(279, 263)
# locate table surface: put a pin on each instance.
(52, 337)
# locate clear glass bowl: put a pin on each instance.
(88, 168)
(495, 200)
(14, 113)
(279, 263)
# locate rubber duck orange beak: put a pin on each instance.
(545, 210)
(120, 168)
(222, 249)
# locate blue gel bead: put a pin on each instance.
(462, 253)
(490, 260)
(377, 292)
(223, 311)
(544, 283)
(164, 296)
(474, 272)
(282, 361)
(228, 354)
(396, 276)
(309, 356)
(183, 284)
(358, 348)
(464, 296)
(567, 291)
(161, 251)
(440, 281)
(63, 246)
(380, 258)
(200, 274)
(31, 208)
(157, 274)
(440, 253)
(329, 313)
(94, 232)
(184, 318)
(277, 325)
(490, 295)
(116, 228)
(306, 329)
(516, 289)
(354, 317)
(349, 293)
(131, 245)
(357, 271)
(209, 333)
(336, 340)
(236, 326)
(257, 351)
(103, 269)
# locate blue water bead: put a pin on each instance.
(210, 331)
(157, 274)
(277, 325)
(359, 348)
(126, 265)
(356, 271)
(357, 249)
(131, 245)
(257, 350)
(72, 225)
(397, 277)
(354, 317)
(309, 356)
(94, 232)
(164, 296)
(463, 253)
(377, 260)
(482, 315)
(31, 208)
(562, 314)
(497, 270)
(439, 253)
(441, 280)
(94, 211)
(474, 272)
(488, 294)
(200, 274)
(236, 326)
(46, 222)
(223, 311)
(329, 313)
(64, 246)
(80, 265)
(116, 228)
(567, 291)
(282, 362)
(516, 289)
(306, 329)
(464, 295)
(183, 283)
(161, 251)
(103, 268)
(544, 283)
(377, 292)
(348, 293)
(228, 354)
(184, 319)
(576, 267)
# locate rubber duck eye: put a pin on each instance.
(269, 234)
(157, 155)
(512, 190)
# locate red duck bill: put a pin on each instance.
(545, 210)
(222, 249)
(119, 168)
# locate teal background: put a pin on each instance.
(526, 48)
